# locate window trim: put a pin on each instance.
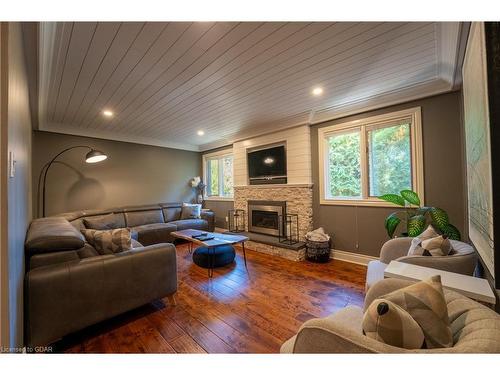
(216, 155)
(416, 146)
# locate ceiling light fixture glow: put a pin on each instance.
(317, 91)
(200, 132)
(107, 113)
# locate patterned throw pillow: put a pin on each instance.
(109, 241)
(428, 233)
(387, 322)
(437, 246)
(425, 302)
(190, 211)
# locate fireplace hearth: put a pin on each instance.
(263, 217)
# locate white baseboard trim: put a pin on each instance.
(347, 256)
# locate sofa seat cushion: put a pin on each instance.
(150, 234)
(374, 273)
(191, 224)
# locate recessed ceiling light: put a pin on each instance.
(317, 91)
(107, 113)
(200, 132)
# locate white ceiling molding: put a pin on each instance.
(112, 136)
(47, 35)
(166, 81)
(415, 92)
(448, 39)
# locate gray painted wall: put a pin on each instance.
(361, 229)
(19, 186)
(133, 174)
(220, 209)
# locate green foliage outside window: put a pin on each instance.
(344, 166)
(227, 173)
(389, 159)
(213, 178)
(220, 176)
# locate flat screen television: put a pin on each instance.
(267, 165)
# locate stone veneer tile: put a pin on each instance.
(295, 255)
(299, 201)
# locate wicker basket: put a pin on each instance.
(318, 251)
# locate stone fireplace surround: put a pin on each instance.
(299, 201)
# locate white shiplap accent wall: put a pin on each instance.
(298, 153)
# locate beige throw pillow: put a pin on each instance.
(387, 322)
(109, 241)
(191, 211)
(437, 246)
(428, 233)
(425, 302)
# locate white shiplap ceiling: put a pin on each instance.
(166, 81)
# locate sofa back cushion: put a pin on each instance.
(104, 222)
(172, 213)
(51, 234)
(135, 218)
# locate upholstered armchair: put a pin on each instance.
(462, 260)
(475, 328)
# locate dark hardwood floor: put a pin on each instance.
(234, 312)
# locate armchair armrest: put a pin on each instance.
(395, 248)
(339, 333)
(461, 263)
(209, 216)
(65, 297)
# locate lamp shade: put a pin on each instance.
(95, 156)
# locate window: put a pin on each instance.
(218, 174)
(363, 159)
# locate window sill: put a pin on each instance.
(358, 202)
(220, 199)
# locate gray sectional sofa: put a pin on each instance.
(69, 285)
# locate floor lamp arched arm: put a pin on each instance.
(47, 167)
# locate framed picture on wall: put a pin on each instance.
(480, 90)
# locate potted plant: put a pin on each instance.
(417, 217)
(199, 186)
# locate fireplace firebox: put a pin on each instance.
(263, 217)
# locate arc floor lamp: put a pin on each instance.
(93, 156)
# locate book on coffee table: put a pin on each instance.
(203, 237)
